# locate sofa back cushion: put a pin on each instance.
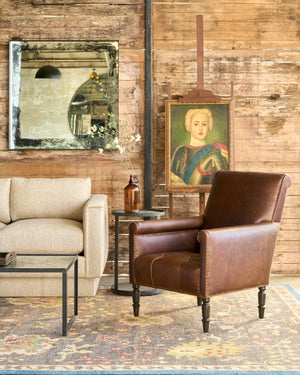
(49, 197)
(4, 200)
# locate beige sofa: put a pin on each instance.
(53, 216)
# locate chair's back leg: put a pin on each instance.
(199, 301)
(261, 301)
(205, 314)
(136, 299)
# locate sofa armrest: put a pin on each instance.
(236, 258)
(95, 233)
(154, 236)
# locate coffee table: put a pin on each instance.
(52, 263)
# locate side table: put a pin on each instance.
(126, 288)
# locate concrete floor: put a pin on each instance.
(293, 280)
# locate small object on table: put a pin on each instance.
(7, 258)
(132, 196)
(126, 288)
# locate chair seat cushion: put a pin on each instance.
(175, 271)
(42, 236)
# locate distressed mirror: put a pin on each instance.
(63, 94)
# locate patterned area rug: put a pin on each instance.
(166, 338)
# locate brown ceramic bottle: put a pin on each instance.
(132, 196)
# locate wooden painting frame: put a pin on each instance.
(186, 171)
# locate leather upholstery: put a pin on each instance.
(161, 236)
(230, 248)
(236, 258)
(175, 271)
(239, 198)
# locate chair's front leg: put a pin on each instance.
(136, 299)
(261, 301)
(205, 313)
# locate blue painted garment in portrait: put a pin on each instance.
(198, 165)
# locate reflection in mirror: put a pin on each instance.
(74, 111)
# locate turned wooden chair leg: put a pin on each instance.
(261, 301)
(205, 313)
(199, 301)
(136, 299)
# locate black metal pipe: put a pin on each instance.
(148, 106)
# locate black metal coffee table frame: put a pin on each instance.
(70, 260)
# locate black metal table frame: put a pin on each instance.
(65, 325)
(144, 214)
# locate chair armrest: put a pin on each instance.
(236, 258)
(154, 236)
(95, 234)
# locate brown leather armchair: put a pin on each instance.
(229, 248)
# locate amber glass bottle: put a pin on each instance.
(132, 196)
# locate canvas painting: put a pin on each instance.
(198, 144)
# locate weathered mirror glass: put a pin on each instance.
(63, 94)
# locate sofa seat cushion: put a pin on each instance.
(42, 236)
(2, 225)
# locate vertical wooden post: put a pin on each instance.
(200, 58)
(169, 91)
(200, 88)
(262, 301)
(170, 194)
(170, 205)
(205, 314)
(232, 105)
(200, 82)
(136, 299)
(202, 203)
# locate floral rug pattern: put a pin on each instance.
(167, 335)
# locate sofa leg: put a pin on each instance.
(136, 299)
(205, 314)
(261, 301)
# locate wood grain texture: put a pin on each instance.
(253, 43)
(85, 20)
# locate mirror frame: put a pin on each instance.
(15, 141)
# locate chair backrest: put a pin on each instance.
(241, 198)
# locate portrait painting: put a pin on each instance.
(197, 144)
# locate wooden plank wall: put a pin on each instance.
(254, 43)
(121, 20)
